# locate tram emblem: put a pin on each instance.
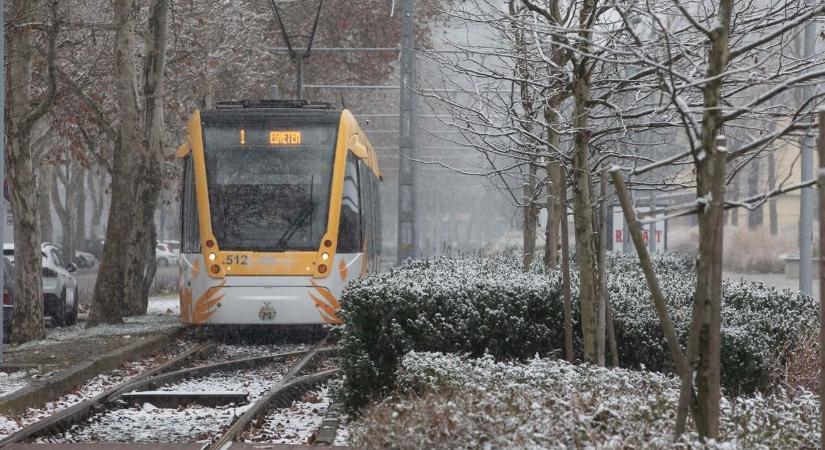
(267, 312)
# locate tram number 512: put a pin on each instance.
(237, 259)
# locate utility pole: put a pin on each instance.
(2, 156)
(406, 135)
(651, 235)
(806, 206)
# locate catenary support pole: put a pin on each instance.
(651, 235)
(299, 77)
(821, 185)
(2, 155)
(806, 198)
(406, 135)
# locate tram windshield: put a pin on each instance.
(269, 182)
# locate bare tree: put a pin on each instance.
(23, 113)
(128, 263)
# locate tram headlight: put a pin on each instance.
(213, 256)
(325, 256)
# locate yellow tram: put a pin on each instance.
(279, 210)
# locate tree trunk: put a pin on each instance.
(44, 187)
(110, 287)
(28, 307)
(71, 177)
(80, 208)
(97, 188)
(772, 213)
(734, 212)
(551, 230)
(551, 234)
(63, 209)
(710, 189)
(711, 184)
(565, 266)
(582, 199)
(754, 215)
(530, 218)
(142, 265)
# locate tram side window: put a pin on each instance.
(190, 235)
(349, 227)
(365, 203)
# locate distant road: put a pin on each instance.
(166, 278)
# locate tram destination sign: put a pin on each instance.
(273, 137)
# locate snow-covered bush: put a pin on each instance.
(486, 304)
(757, 322)
(466, 305)
(482, 403)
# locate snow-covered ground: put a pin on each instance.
(11, 382)
(164, 305)
(163, 314)
(296, 424)
(93, 387)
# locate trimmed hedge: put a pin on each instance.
(486, 305)
(448, 401)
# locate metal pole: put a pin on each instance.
(299, 88)
(806, 206)
(651, 235)
(2, 156)
(406, 135)
(821, 185)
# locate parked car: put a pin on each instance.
(172, 245)
(8, 298)
(164, 255)
(8, 252)
(59, 285)
(95, 247)
(84, 260)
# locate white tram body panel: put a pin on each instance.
(278, 300)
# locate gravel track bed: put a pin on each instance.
(98, 384)
(148, 423)
(294, 425)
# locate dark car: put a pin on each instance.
(8, 297)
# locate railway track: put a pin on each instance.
(274, 380)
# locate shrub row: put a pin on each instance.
(482, 403)
(487, 305)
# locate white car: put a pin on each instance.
(165, 256)
(59, 285)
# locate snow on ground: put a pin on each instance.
(298, 423)
(93, 387)
(163, 315)
(11, 382)
(255, 382)
(164, 305)
(342, 435)
(251, 351)
(148, 423)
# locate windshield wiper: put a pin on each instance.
(294, 226)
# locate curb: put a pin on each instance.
(39, 392)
